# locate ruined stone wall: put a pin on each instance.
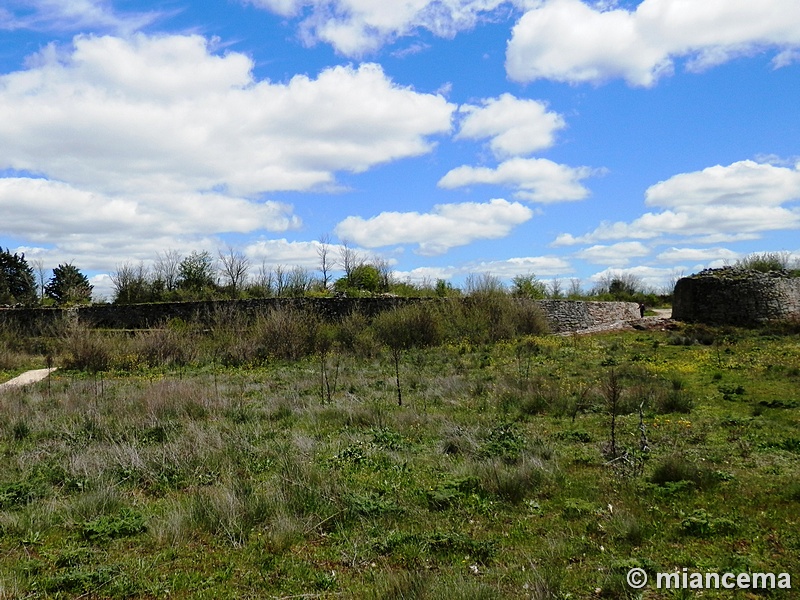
(573, 315)
(732, 296)
(562, 315)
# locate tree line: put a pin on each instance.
(230, 274)
(18, 283)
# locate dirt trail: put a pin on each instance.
(27, 378)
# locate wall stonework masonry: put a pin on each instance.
(733, 296)
(561, 315)
(574, 315)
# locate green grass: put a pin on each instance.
(494, 479)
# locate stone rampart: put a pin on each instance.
(732, 296)
(561, 315)
(574, 315)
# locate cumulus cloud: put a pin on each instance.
(508, 268)
(514, 126)
(534, 179)
(161, 136)
(356, 27)
(153, 111)
(572, 41)
(745, 183)
(697, 255)
(718, 204)
(615, 255)
(504, 269)
(448, 226)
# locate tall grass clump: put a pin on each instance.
(286, 333)
(85, 349)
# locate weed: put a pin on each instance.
(125, 523)
(700, 524)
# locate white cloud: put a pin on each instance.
(159, 137)
(148, 112)
(744, 184)
(535, 179)
(697, 255)
(506, 269)
(572, 41)
(615, 255)
(356, 27)
(516, 127)
(44, 211)
(448, 226)
(280, 252)
(73, 15)
(715, 205)
(426, 275)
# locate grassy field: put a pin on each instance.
(527, 466)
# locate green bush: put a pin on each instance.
(676, 467)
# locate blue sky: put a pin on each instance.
(565, 138)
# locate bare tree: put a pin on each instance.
(265, 278)
(166, 269)
(281, 280)
(41, 272)
(298, 282)
(131, 283)
(556, 288)
(349, 259)
(574, 290)
(385, 273)
(325, 260)
(234, 267)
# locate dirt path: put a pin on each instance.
(27, 378)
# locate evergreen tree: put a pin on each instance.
(68, 285)
(17, 283)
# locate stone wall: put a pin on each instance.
(562, 315)
(732, 296)
(573, 315)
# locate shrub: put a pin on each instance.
(674, 400)
(124, 524)
(676, 468)
(766, 262)
(87, 350)
(285, 333)
(512, 483)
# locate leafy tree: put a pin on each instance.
(68, 285)
(17, 283)
(196, 272)
(527, 286)
(445, 289)
(363, 278)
